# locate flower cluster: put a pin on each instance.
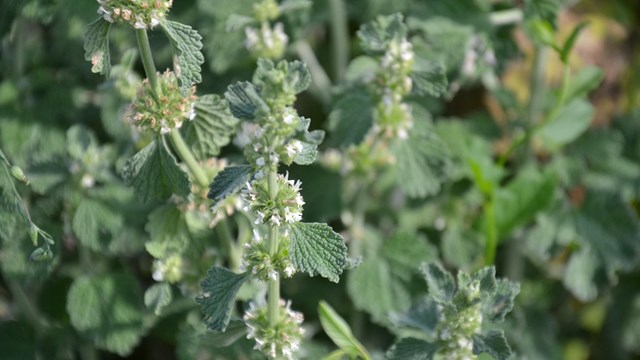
(457, 325)
(263, 266)
(266, 41)
(266, 10)
(163, 110)
(393, 117)
(284, 207)
(282, 339)
(169, 269)
(141, 14)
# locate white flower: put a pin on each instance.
(289, 270)
(289, 116)
(192, 111)
(274, 158)
(406, 50)
(273, 275)
(294, 147)
(275, 219)
(260, 161)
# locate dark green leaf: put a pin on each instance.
(571, 41)
(155, 174)
(244, 101)
(317, 250)
(212, 127)
(492, 343)
(499, 302)
(338, 330)
(375, 36)
(219, 289)
(351, 118)
(96, 46)
(429, 78)
(95, 224)
(157, 297)
(228, 181)
(412, 349)
(441, 284)
(107, 308)
(169, 232)
(186, 44)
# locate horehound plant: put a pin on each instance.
(282, 244)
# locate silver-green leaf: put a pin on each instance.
(493, 343)
(155, 174)
(228, 181)
(218, 295)
(96, 46)
(317, 250)
(186, 44)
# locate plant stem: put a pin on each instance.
(506, 17)
(274, 237)
(147, 59)
(229, 244)
(491, 233)
(321, 84)
(339, 38)
(187, 156)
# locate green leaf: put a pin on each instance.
(234, 331)
(96, 46)
(219, 289)
(423, 160)
(309, 142)
(157, 297)
(441, 284)
(581, 84)
(499, 302)
(339, 332)
(542, 33)
(186, 44)
(423, 315)
(429, 78)
(492, 343)
(542, 9)
(405, 253)
(317, 250)
(107, 308)
(94, 224)
(571, 41)
(298, 77)
(518, 203)
(351, 118)
(376, 36)
(228, 181)
(374, 279)
(169, 231)
(569, 123)
(244, 101)
(155, 174)
(412, 349)
(580, 275)
(212, 127)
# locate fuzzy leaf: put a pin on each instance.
(429, 78)
(245, 101)
(351, 118)
(96, 46)
(375, 36)
(228, 181)
(298, 77)
(338, 330)
(155, 174)
(317, 250)
(212, 127)
(492, 343)
(219, 290)
(107, 309)
(587, 80)
(441, 284)
(186, 44)
(412, 349)
(499, 302)
(422, 315)
(168, 229)
(94, 223)
(309, 141)
(423, 161)
(157, 297)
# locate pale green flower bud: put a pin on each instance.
(141, 14)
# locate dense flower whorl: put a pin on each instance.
(457, 326)
(266, 10)
(266, 42)
(281, 340)
(263, 266)
(284, 207)
(169, 269)
(166, 111)
(141, 14)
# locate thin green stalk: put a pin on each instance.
(273, 301)
(321, 84)
(339, 38)
(233, 254)
(147, 59)
(506, 17)
(187, 156)
(491, 232)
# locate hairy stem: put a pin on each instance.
(506, 17)
(321, 84)
(187, 156)
(274, 237)
(339, 38)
